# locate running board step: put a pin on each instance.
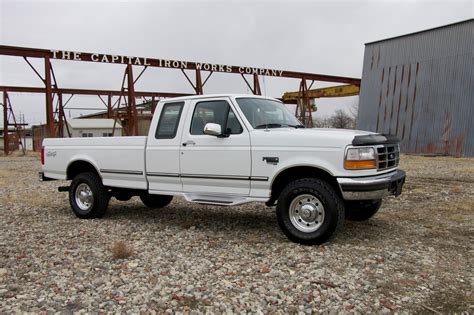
(213, 202)
(216, 199)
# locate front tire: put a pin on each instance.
(155, 201)
(310, 211)
(88, 197)
(362, 210)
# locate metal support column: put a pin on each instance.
(63, 120)
(5, 124)
(303, 106)
(131, 108)
(199, 90)
(153, 105)
(60, 116)
(109, 106)
(256, 85)
(49, 99)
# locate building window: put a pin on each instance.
(87, 135)
(107, 134)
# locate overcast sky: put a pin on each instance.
(324, 37)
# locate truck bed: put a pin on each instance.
(120, 161)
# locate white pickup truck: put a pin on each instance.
(228, 150)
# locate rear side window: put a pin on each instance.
(169, 120)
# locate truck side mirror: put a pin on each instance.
(213, 129)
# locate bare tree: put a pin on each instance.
(345, 119)
(342, 120)
(353, 111)
(322, 122)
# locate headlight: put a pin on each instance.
(360, 158)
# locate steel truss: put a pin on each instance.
(56, 102)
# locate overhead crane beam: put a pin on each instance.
(332, 91)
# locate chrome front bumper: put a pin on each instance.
(373, 187)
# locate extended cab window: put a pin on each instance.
(218, 112)
(169, 121)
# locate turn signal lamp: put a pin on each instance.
(360, 158)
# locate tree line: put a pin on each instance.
(340, 119)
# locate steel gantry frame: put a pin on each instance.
(305, 93)
(55, 118)
(9, 114)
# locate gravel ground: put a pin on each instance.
(414, 256)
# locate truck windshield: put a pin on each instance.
(264, 113)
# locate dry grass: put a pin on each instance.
(10, 172)
(3, 174)
(19, 153)
(34, 198)
(120, 250)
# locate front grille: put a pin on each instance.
(388, 156)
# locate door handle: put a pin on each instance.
(189, 142)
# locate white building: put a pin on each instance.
(92, 128)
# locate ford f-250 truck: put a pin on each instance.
(228, 150)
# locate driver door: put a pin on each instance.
(216, 165)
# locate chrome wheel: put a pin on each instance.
(84, 197)
(306, 213)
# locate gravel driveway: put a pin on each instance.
(415, 255)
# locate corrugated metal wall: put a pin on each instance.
(420, 87)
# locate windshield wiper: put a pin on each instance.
(265, 126)
(278, 126)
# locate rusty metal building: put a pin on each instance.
(420, 87)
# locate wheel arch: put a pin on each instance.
(290, 174)
(78, 166)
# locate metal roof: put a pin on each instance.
(93, 123)
(418, 32)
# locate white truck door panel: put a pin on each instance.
(210, 164)
(162, 153)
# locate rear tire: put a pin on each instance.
(362, 210)
(88, 197)
(310, 211)
(155, 201)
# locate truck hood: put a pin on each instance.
(306, 137)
